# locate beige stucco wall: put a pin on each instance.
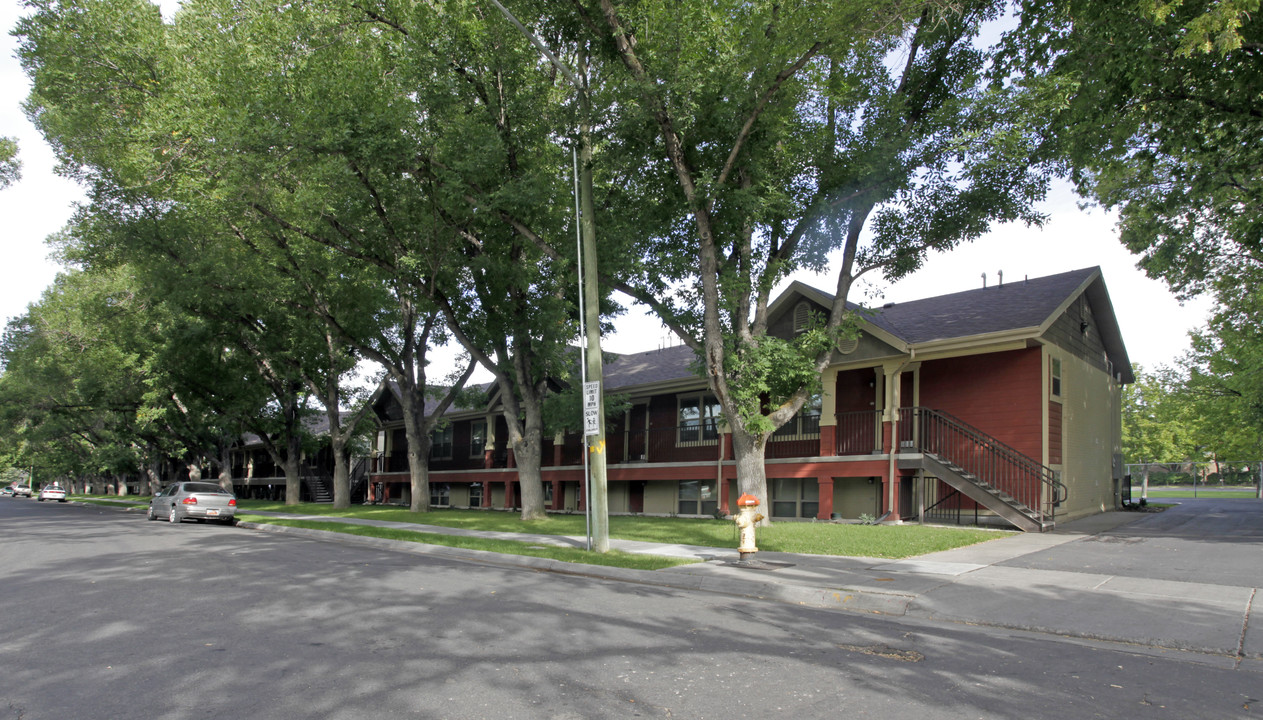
(854, 496)
(616, 497)
(661, 497)
(1090, 436)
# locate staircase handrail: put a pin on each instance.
(1056, 490)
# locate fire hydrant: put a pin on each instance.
(747, 517)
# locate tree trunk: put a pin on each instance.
(225, 469)
(152, 478)
(527, 449)
(417, 432)
(293, 475)
(341, 471)
(750, 451)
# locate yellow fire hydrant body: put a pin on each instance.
(747, 517)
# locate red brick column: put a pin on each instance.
(825, 510)
(828, 440)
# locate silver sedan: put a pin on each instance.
(197, 500)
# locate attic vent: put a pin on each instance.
(846, 346)
(802, 316)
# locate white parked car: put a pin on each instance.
(52, 492)
(197, 500)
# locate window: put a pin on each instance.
(440, 495)
(806, 423)
(698, 420)
(802, 317)
(548, 493)
(475, 494)
(477, 438)
(441, 443)
(795, 497)
(1056, 377)
(698, 497)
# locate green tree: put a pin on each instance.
(1159, 423)
(1224, 382)
(1158, 106)
(10, 165)
(756, 139)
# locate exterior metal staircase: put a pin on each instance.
(987, 471)
(320, 488)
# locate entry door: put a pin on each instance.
(636, 496)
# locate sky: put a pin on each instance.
(1154, 325)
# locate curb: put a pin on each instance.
(852, 599)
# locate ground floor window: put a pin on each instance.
(698, 497)
(475, 494)
(548, 493)
(440, 495)
(795, 497)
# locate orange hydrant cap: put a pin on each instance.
(747, 499)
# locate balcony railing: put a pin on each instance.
(859, 433)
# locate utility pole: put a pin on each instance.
(598, 497)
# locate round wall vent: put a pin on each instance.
(846, 346)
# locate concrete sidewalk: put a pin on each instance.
(966, 585)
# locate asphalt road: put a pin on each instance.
(1168, 546)
(105, 615)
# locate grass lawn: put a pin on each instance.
(613, 558)
(1201, 493)
(880, 541)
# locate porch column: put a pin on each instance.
(829, 414)
(489, 443)
(559, 441)
(825, 511)
(725, 489)
(559, 495)
(486, 493)
(510, 492)
(583, 495)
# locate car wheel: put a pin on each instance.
(173, 516)
(40, 499)
(150, 514)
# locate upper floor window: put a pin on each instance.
(698, 419)
(441, 443)
(806, 422)
(1056, 377)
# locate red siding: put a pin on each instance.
(1054, 433)
(998, 393)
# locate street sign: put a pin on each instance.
(591, 408)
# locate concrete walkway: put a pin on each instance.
(1105, 578)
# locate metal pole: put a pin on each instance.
(583, 357)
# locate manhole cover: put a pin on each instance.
(885, 651)
(760, 565)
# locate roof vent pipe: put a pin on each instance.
(1001, 274)
(984, 281)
